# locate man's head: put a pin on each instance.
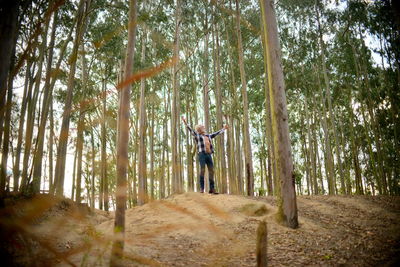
(200, 129)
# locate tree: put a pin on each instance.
(246, 127)
(83, 8)
(122, 142)
(287, 199)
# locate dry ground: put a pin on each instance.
(206, 230)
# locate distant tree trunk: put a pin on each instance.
(135, 161)
(79, 147)
(313, 172)
(74, 175)
(122, 144)
(317, 163)
(142, 193)
(103, 199)
(246, 127)
(234, 133)
(330, 165)
(231, 157)
(189, 158)
(64, 132)
(47, 96)
(206, 104)
(239, 177)
(51, 140)
(331, 114)
(25, 99)
(31, 114)
(151, 136)
(287, 202)
(176, 170)
(165, 152)
(92, 184)
(218, 96)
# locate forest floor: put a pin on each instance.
(196, 229)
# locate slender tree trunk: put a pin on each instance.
(287, 202)
(122, 144)
(103, 174)
(92, 183)
(218, 95)
(31, 115)
(142, 194)
(331, 112)
(313, 171)
(176, 168)
(47, 96)
(239, 173)
(79, 147)
(51, 140)
(64, 132)
(74, 174)
(25, 99)
(151, 135)
(330, 165)
(246, 126)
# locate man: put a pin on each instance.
(205, 150)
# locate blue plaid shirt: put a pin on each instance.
(200, 139)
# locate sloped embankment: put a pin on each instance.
(195, 229)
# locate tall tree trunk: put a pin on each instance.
(287, 202)
(313, 171)
(268, 123)
(64, 132)
(79, 147)
(246, 127)
(330, 165)
(239, 178)
(315, 144)
(38, 158)
(74, 174)
(122, 144)
(25, 99)
(93, 174)
(176, 168)
(331, 112)
(31, 114)
(218, 95)
(142, 193)
(151, 136)
(103, 198)
(51, 141)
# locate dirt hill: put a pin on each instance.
(209, 230)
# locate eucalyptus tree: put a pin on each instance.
(83, 9)
(122, 142)
(246, 125)
(287, 204)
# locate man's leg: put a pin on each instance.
(202, 161)
(210, 167)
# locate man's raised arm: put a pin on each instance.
(188, 127)
(219, 132)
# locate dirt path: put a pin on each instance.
(219, 230)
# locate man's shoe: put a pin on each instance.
(212, 191)
(202, 191)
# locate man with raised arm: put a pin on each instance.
(205, 150)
